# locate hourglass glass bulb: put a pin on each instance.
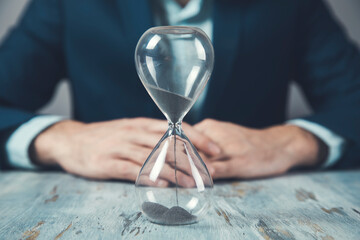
(174, 65)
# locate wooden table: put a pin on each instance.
(297, 206)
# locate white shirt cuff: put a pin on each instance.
(335, 142)
(17, 146)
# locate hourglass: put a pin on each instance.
(174, 64)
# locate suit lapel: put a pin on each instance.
(226, 40)
(136, 18)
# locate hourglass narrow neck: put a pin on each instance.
(175, 128)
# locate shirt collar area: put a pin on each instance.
(177, 14)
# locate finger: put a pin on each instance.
(180, 178)
(151, 124)
(207, 160)
(145, 139)
(145, 181)
(186, 164)
(167, 178)
(205, 124)
(178, 159)
(224, 169)
(240, 168)
(186, 155)
(204, 157)
(180, 165)
(121, 169)
(135, 153)
(169, 174)
(201, 141)
(184, 167)
(221, 157)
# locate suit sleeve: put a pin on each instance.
(328, 70)
(31, 65)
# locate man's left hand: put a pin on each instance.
(251, 153)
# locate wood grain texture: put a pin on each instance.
(297, 206)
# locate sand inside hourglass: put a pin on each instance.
(174, 216)
(175, 107)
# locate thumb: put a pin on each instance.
(202, 142)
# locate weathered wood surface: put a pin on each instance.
(297, 206)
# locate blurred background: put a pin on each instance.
(347, 12)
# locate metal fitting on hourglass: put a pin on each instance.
(174, 64)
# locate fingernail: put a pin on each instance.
(214, 148)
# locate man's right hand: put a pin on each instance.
(108, 150)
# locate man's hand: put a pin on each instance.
(114, 149)
(249, 153)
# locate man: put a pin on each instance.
(259, 47)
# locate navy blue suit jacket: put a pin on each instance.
(260, 46)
